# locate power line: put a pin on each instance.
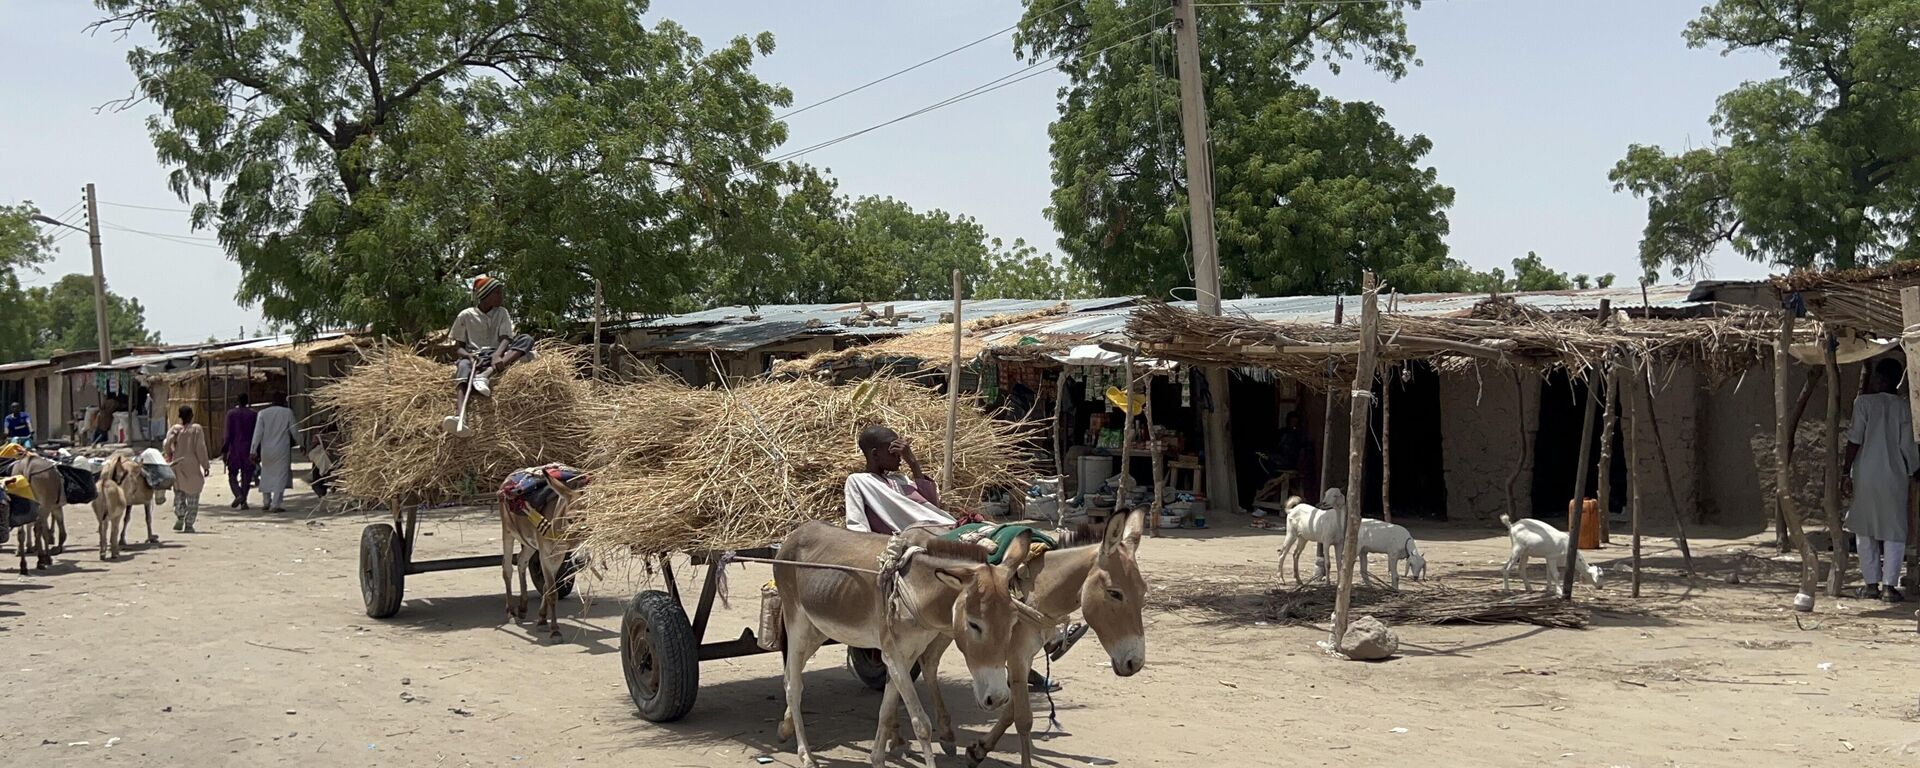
(1028, 72)
(871, 83)
(147, 207)
(178, 239)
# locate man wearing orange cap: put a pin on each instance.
(486, 336)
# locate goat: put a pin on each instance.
(1533, 538)
(1324, 524)
(550, 536)
(1379, 537)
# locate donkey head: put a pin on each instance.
(1115, 594)
(984, 617)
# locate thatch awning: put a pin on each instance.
(1496, 331)
(1864, 300)
(927, 349)
(285, 350)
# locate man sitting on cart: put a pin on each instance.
(486, 337)
(882, 500)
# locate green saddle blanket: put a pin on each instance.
(1000, 535)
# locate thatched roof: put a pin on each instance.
(1860, 299)
(927, 349)
(1496, 330)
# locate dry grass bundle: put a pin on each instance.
(927, 349)
(389, 410)
(749, 464)
(1430, 605)
(1717, 346)
(1858, 299)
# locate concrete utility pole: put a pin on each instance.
(1222, 485)
(99, 278)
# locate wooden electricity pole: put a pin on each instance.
(953, 389)
(1357, 452)
(1222, 485)
(99, 278)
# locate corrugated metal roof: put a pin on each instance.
(728, 329)
(24, 365)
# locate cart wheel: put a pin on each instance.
(660, 657)
(567, 569)
(383, 570)
(865, 664)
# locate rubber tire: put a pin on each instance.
(567, 570)
(865, 665)
(660, 657)
(383, 570)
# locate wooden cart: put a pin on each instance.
(386, 560)
(661, 648)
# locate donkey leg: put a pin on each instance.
(506, 565)
(930, 672)
(550, 557)
(151, 539)
(803, 641)
(899, 658)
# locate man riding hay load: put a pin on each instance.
(484, 334)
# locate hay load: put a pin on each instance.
(393, 450)
(742, 467)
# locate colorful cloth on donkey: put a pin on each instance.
(527, 488)
(995, 537)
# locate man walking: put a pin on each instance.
(236, 448)
(1881, 456)
(186, 451)
(273, 441)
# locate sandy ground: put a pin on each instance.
(246, 644)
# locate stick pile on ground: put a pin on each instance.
(1433, 604)
(393, 449)
(742, 467)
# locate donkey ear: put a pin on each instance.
(1018, 550)
(955, 577)
(1136, 525)
(1116, 534)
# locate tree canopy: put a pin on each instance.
(1815, 168)
(38, 321)
(360, 159)
(1310, 190)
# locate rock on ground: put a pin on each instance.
(1369, 639)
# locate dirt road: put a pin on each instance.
(246, 645)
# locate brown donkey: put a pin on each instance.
(1102, 583)
(941, 589)
(548, 534)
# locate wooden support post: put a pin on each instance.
(1837, 574)
(599, 310)
(1666, 476)
(1577, 507)
(1159, 465)
(1910, 317)
(1633, 471)
(953, 388)
(1783, 464)
(1526, 450)
(1326, 438)
(1126, 443)
(1386, 442)
(1610, 420)
(1060, 445)
(1357, 452)
(1814, 377)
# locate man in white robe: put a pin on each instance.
(273, 441)
(881, 499)
(1881, 456)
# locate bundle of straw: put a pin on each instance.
(393, 449)
(702, 470)
(1433, 604)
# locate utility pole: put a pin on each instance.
(1222, 485)
(99, 278)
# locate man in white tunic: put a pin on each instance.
(881, 500)
(273, 441)
(1881, 456)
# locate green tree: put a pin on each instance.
(1532, 274)
(1310, 190)
(1814, 168)
(64, 317)
(23, 246)
(360, 159)
(1020, 271)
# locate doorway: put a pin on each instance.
(1556, 451)
(1419, 475)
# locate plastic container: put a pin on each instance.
(772, 624)
(1591, 523)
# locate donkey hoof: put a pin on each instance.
(976, 754)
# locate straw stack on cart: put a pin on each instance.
(742, 467)
(393, 449)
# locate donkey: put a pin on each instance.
(50, 496)
(123, 483)
(1101, 582)
(942, 588)
(548, 538)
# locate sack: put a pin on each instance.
(78, 484)
(20, 512)
(152, 456)
(159, 476)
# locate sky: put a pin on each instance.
(1528, 105)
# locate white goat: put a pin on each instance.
(1532, 538)
(1324, 524)
(1379, 537)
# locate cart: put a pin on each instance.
(386, 560)
(661, 649)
